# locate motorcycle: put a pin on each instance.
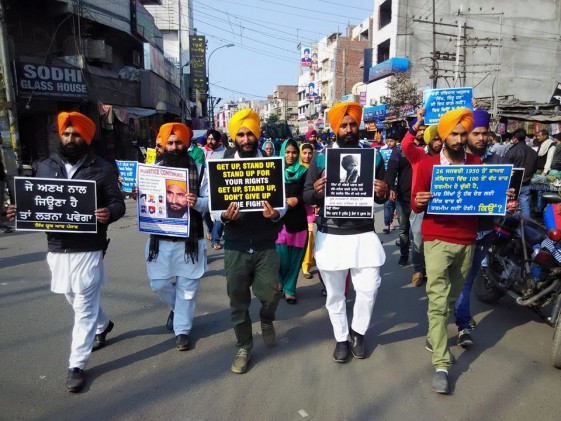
(524, 263)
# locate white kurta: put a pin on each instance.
(76, 272)
(172, 261)
(338, 252)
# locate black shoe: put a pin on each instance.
(323, 292)
(99, 340)
(341, 352)
(75, 380)
(169, 321)
(428, 347)
(182, 342)
(403, 260)
(357, 344)
(291, 300)
(440, 382)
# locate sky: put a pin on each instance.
(266, 34)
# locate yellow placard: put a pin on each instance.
(150, 155)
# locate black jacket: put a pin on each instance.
(108, 196)
(400, 169)
(338, 226)
(252, 231)
(295, 218)
(522, 156)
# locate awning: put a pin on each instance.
(542, 118)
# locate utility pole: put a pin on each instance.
(8, 114)
(433, 45)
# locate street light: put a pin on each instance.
(211, 105)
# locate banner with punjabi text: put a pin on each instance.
(55, 205)
(248, 182)
(439, 101)
(469, 189)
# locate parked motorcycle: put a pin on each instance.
(524, 263)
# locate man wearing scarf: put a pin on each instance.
(449, 241)
(179, 258)
(76, 259)
(250, 258)
(347, 244)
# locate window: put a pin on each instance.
(385, 13)
(383, 51)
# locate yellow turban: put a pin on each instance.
(452, 118)
(244, 118)
(181, 184)
(81, 123)
(336, 114)
(430, 133)
(182, 132)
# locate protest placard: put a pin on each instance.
(349, 187)
(127, 172)
(55, 205)
(469, 189)
(439, 101)
(248, 182)
(162, 200)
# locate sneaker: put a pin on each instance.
(308, 275)
(393, 227)
(241, 361)
(268, 333)
(440, 382)
(75, 380)
(403, 260)
(387, 229)
(464, 338)
(417, 279)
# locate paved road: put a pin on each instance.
(140, 375)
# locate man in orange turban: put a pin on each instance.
(82, 124)
(337, 113)
(448, 240)
(75, 259)
(76, 133)
(180, 130)
(364, 254)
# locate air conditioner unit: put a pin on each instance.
(94, 49)
(136, 59)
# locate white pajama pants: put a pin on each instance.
(181, 298)
(366, 282)
(89, 320)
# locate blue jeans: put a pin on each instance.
(403, 215)
(389, 208)
(524, 201)
(462, 309)
(417, 251)
(215, 228)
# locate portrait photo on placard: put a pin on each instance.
(350, 168)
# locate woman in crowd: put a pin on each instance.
(293, 235)
(306, 156)
(268, 148)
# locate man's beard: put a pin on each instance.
(178, 158)
(247, 154)
(456, 155)
(173, 213)
(348, 141)
(73, 152)
(477, 151)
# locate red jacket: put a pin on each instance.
(456, 229)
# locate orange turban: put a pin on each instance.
(181, 184)
(83, 124)
(245, 118)
(182, 132)
(336, 114)
(452, 118)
